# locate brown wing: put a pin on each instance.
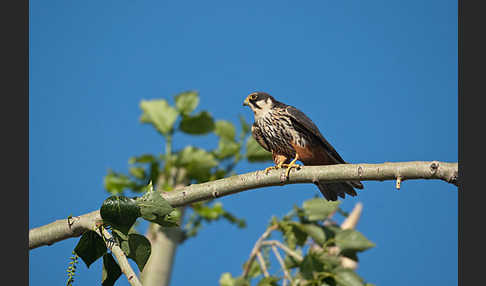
(304, 122)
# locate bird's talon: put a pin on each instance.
(278, 166)
(289, 167)
(268, 169)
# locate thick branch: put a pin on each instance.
(61, 229)
(309, 174)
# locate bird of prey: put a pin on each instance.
(290, 135)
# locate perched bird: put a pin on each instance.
(290, 135)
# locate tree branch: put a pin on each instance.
(309, 174)
(287, 250)
(121, 258)
(256, 249)
(61, 229)
(282, 265)
(352, 220)
(262, 263)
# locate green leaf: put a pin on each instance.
(310, 265)
(115, 183)
(187, 101)
(159, 113)
(198, 124)
(209, 212)
(291, 262)
(269, 281)
(227, 148)
(240, 281)
(225, 129)
(197, 162)
(145, 158)
(120, 212)
(297, 231)
(153, 207)
(139, 249)
(111, 270)
(90, 247)
(288, 234)
(226, 279)
(352, 254)
(315, 231)
(241, 223)
(154, 172)
(135, 246)
(331, 230)
(172, 219)
(352, 240)
(327, 259)
(138, 172)
(347, 277)
(255, 152)
(319, 208)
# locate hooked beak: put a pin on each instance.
(246, 102)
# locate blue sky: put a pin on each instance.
(379, 78)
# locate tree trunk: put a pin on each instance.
(164, 240)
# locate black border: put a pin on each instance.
(15, 144)
(471, 65)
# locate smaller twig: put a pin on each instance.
(347, 262)
(263, 266)
(287, 250)
(353, 217)
(399, 182)
(256, 248)
(282, 264)
(120, 257)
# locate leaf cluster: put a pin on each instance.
(311, 238)
(200, 164)
(188, 164)
(119, 213)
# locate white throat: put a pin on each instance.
(264, 110)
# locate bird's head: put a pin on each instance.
(260, 102)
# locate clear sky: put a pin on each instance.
(379, 78)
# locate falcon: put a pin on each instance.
(290, 135)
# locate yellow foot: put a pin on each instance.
(278, 166)
(269, 168)
(290, 166)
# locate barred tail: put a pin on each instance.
(332, 190)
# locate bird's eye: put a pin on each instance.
(253, 96)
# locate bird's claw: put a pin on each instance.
(269, 168)
(290, 166)
(278, 166)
